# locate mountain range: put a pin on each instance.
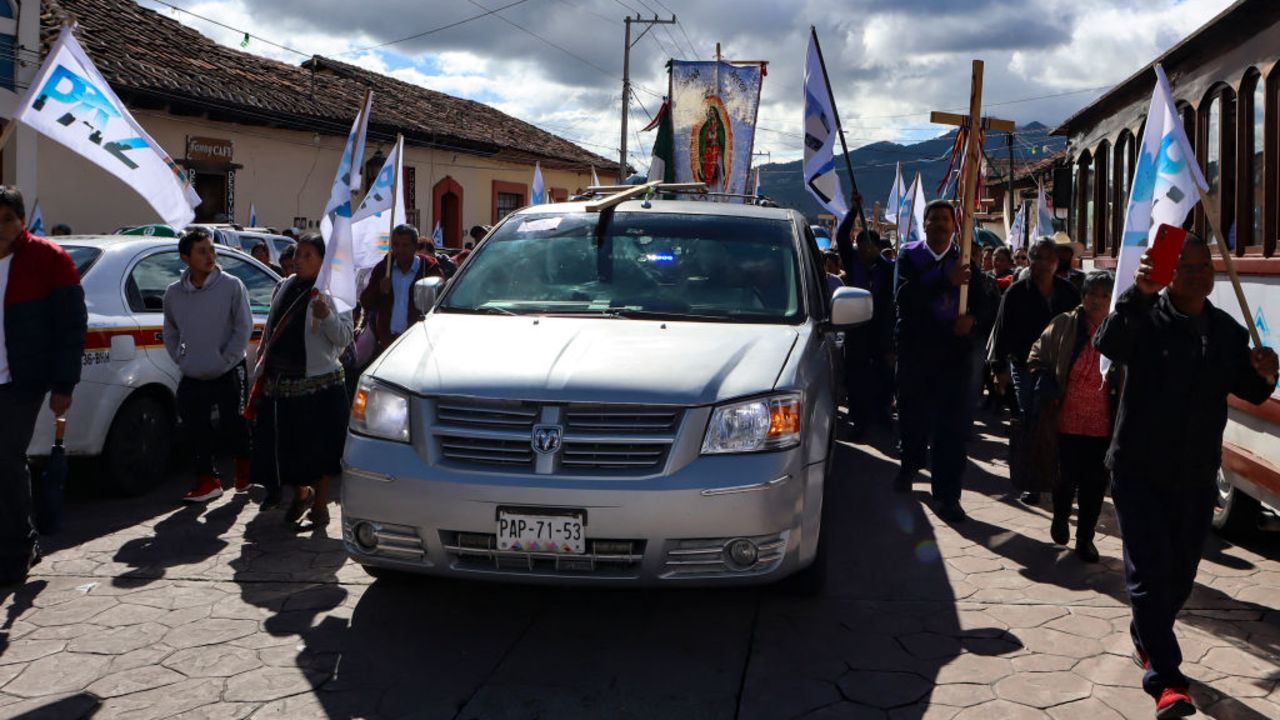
(875, 164)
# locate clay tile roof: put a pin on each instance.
(152, 59)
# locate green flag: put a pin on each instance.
(662, 166)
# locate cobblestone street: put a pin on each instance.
(141, 610)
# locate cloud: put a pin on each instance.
(558, 63)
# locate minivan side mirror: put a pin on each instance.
(425, 292)
(850, 307)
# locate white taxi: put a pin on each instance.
(123, 409)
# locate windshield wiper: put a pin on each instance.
(482, 310)
(641, 314)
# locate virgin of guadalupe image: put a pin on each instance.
(711, 140)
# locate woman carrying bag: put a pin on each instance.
(300, 405)
(1073, 396)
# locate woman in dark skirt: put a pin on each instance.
(302, 410)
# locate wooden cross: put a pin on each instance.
(973, 157)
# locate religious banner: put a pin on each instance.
(713, 115)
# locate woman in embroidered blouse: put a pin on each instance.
(1069, 385)
(302, 413)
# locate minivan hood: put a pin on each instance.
(556, 359)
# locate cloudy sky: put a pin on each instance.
(558, 63)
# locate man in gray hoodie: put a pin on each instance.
(207, 326)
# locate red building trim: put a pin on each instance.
(502, 186)
(450, 228)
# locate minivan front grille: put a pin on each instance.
(631, 420)
(604, 558)
(607, 456)
(486, 415)
(595, 439)
(486, 451)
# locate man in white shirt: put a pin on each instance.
(388, 299)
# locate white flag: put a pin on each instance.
(917, 208)
(1044, 218)
(897, 196)
(595, 179)
(372, 222)
(1166, 185)
(911, 216)
(253, 216)
(820, 177)
(538, 193)
(35, 223)
(338, 273)
(71, 103)
(1016, 228)
(437, 236)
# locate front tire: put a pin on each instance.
(1235, 513)
(138, 445)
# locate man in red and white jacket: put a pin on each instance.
(42, 326)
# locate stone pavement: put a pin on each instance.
(142, 610)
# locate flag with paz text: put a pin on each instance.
(338, 273)
(820, 177)
(70, 103)
(1166, 185)
(373, 220)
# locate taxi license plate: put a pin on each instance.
(563, 533)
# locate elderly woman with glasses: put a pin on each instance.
(1073, 395)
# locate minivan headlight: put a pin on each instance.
(381, 412)
(769, 423)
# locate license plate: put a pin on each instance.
(564, 533)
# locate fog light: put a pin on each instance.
(742, 553)
(366, 536)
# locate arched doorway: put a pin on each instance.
(446, 208)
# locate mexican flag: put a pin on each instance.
(662, 166)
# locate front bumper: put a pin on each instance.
(669, 529)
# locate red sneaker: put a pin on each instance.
(207, 488)
(1174, 703)
(242, 475)
(1140, 659)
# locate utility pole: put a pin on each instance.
(626, 81)
(1008, 202)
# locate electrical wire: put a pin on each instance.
(220, 24)
(487, 12)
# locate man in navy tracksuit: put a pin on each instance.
(1182, 358)
(42, 326)
(935, 345)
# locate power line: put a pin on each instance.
(562, 49)
(487, 12)
(220, 24)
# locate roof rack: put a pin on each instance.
(612, 195)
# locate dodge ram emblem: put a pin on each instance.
(546, 438)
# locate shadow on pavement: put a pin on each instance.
(74, 707)
(186, 537)
(424, 647)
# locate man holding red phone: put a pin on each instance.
(1183, 356)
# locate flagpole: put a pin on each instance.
(395, 183)
(853, 182)
(1211, 214)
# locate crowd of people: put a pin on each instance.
(1033, 331)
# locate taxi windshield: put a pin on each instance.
(714, 268)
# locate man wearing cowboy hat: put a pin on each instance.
(1068, 251)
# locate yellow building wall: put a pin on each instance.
(286, 174)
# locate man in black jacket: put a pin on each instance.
(42, 325)
(1182, 358)
(1025, 311)
(868, 350)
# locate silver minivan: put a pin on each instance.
(637, 393)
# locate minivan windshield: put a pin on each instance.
(713, 268)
